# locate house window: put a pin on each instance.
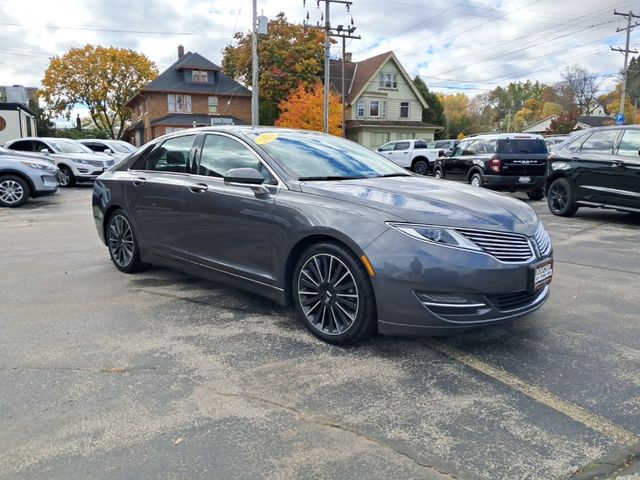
(388, 80)
(179, 103)
(374, 108)
(360, 112)
(213, 104)
(404, 109)
(199, 76)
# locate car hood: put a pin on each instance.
(436, 202)
(83, 156)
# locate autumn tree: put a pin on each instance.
(435, 113)
(304, 108)
(611, 103)
(563, 124)
(288, 55)
(101, 78)
(458, 114)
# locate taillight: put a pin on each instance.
(495, 164)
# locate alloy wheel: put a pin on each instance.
(121, 240)
(328, 294)
(558, 196)
(64, 177)
(11, 192)
(475, 181)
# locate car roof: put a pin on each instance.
(505, 136)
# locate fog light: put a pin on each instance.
(448, 300)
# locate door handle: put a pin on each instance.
(198, 187)
(615, 163)
(139, 181)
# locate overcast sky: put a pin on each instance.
(454, 45)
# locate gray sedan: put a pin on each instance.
(23, 177)
(355, 243)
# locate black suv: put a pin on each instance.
(504, 161)
(599, 167)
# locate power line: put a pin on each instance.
(113, 30)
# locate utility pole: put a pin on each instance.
(254, 68)
(328, 33)
(344, 33)
(629, 16)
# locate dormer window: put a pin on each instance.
(199, 76)
(388, 80)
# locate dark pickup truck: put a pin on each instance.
(504, 161)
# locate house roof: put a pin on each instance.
(187, 119)
(595, 121)
(393, 124)
(195, 61)
(172, 79)
(533, 126)
(358, 75)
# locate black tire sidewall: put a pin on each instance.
(26, 191)
(135, 264)
(570, 208)
(473, 175)
(438, 171)
(72, 178)
(365, 324)
(421, 162)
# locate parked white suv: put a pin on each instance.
(117, 149)
(76, 162)
(411, 154)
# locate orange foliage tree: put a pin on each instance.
(304, 108)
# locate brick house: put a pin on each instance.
(191, 92)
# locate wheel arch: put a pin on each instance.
(418, 159)
(552, 178)
(107, 216)
(472, 170)
(22, 176)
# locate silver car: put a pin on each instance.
(76, 162)
(117, 149)
(23, 176)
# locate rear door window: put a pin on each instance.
(402, 146)
(22, 146)
(171, 156)
(630, 144)
(600, 142)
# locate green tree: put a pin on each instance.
(288, 55)
(101, 78)
(435, 113)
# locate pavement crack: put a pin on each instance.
(396, 448)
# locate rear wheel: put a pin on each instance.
(475, 180)
(437, 173)
(123, 247)
(560, 198)
(421, 167)
(14, 191)
(333, 295)
(536, 194)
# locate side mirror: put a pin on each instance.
(108, 151)
(247, 177)
(44, 150)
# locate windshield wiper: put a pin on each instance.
(393, 175)
(335, 177)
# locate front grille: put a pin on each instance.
(110, 162)
(506, 247)
(515, 300)
(542, 240)
(95, 163)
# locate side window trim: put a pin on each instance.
(146, 155)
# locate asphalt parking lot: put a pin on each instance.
(161, 375)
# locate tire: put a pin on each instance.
(66, 178)
(333, 295)
(536, 194)
(14, 191)
(475, 180)
(437, 173)
(122, 244)
(421, 167)
(560, 198)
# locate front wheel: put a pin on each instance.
(536, 194)
(560, 198)
(14, 191)
(123, 247)
(66, 178)
(421, 167)
(333, 295)
(437, 173)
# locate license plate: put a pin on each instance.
(542, 275)
(524, 180)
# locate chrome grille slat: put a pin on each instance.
(543, 241)
(506, 247)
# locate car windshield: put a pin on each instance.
(118, 147)
(312, 156)
(70, 147)
(518, 145)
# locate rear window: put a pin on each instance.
(521, 145)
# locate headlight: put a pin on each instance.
(444, 236)
(560, 166)
(83, 162)
(37, 166)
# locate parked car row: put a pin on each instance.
(599, 167)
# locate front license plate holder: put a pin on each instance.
(540, 274)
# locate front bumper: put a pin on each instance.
(513, 182)
(45, 184)
(409, 274)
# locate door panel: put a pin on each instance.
(627, 173)
(595, 169)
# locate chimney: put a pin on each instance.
(180, 51)
(347, 56)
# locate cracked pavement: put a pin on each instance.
(161, 375)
